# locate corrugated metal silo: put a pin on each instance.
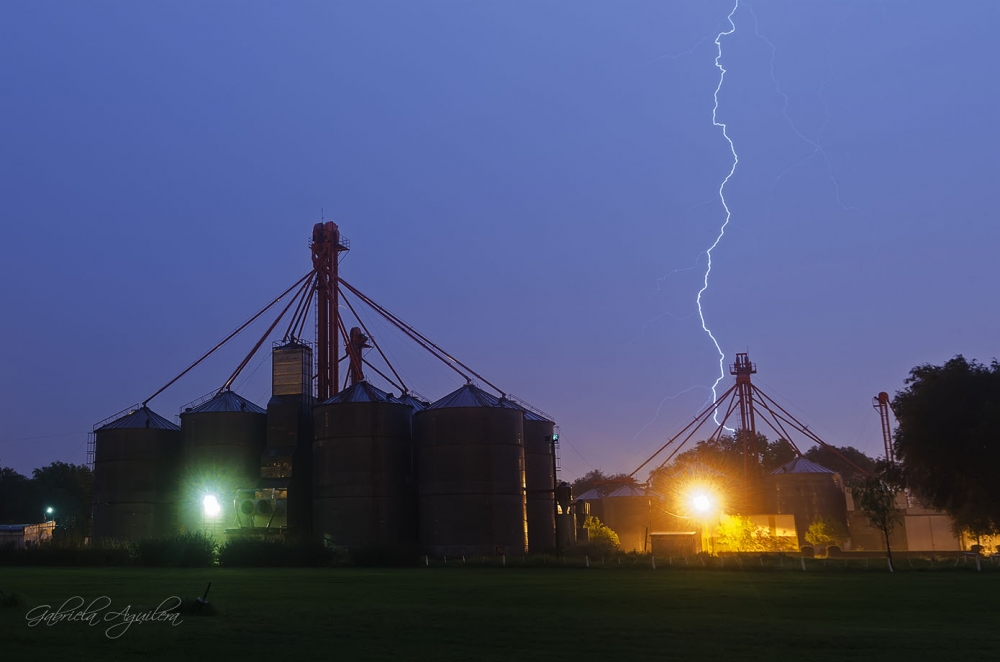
(628, 512)
(223, 439)
(808, 491)
(470, 465)
(364, 493)
(414, 403)
(540, 482)
(136, 471)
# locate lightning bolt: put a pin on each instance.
(722, 198)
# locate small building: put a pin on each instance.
(26, 535)
(675, 543)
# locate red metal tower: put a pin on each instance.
(742, 369)
(881, 404)
(327, 245)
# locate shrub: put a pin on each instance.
(259, 552)
(738, 533)
(185, 550)
(824, 533)
(602, 540)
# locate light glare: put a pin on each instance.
(701, 503)
(211, 506)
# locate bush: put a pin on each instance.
(259, 553)
(68, 553)
(738, 533)
(603, 541)
(398, 556)
(824, 533)
(186, 550)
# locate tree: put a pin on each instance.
(875, 496)
(66, 489)
(725, 454)
(948, 440)
(17, 502)
(600, 534)
(825, 533)
(825, 457)
(604, 483)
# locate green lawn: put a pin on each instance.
(471, 613)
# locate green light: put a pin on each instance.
(49, 510)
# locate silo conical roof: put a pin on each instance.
(800, 465)
(628, 491)
(360, 392)
(469, 396)
(227, 401)
(529, 415)
(143, 417)
(410, 401)
(593, 494)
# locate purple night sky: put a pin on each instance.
(533, 185)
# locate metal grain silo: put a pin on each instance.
(808, 491)
(136, 471)
(470, 468)
(540, 482)
(222, 439)
(364, 494)
(628, 512)
(414, 403)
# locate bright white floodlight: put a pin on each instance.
(701, 503)
(211, 506)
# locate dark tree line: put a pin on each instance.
(63, 487)
(723, 457)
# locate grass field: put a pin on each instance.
(460, 612)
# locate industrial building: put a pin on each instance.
(331, 455)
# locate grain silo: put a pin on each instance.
(364, 493)
(540, 482)
(628, 512)
(414, 403)
(136, 470)
(808, 491)
(470, 463)
(222, 440)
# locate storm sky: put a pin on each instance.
(533, 185)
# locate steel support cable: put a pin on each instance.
(406, 328)
(717, 434)
(701, 415)
(413, 335)
(782, 435)
(698, 421)
(375, 343)
(300, 308)
(791, 420)
(781, 429)
(729, 412)
(305, 311)
(383, 375)
(227, 338)
(270, 329)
